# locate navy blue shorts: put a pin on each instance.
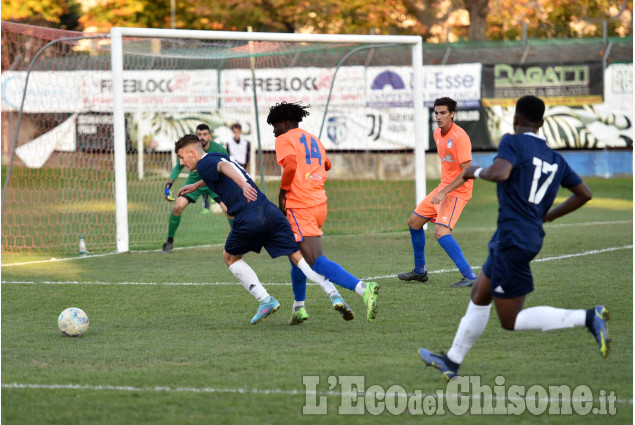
(508, 269)
(264, 226)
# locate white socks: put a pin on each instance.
(297, 305)
(360, 288)
(470, 329)
(324, 283)
(248, 278)
(548, 319)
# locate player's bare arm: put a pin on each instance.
(499, 171)
(191, 188)
(581, 195)
(228, 169)
(458, 182)
(282, 201)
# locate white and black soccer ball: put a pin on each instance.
(73, 322)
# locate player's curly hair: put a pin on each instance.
(186, 140)
(531, 108)
(285, 111)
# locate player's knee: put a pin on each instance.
(179, 206)
(440, 231)
(415, 222)
(230, 259)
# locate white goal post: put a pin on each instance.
(421, 126)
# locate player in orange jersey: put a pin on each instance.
(444, 205)
(303, 200)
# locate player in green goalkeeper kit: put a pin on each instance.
(204, 134)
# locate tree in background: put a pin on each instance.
(558, 18)
(351, 16)
(435, 20)
(63, 14)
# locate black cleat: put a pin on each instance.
(463, 283)
(412, 275)
(167, 247)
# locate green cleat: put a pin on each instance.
(298, 317)
(370, 300)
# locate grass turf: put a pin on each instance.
(198, 336)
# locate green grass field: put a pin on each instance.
(170, 340)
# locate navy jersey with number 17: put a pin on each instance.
(526, 196)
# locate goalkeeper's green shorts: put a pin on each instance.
(193, 196)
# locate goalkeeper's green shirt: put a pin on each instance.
(193, 176)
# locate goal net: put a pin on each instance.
(67, 182)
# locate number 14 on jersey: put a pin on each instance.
(313, 151)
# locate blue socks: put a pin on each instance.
(418, 245)
(335, 273)
(453, 249)
(298, 283)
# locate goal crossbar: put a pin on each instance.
(117, 34)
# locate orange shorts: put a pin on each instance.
(446, 213)
(307, 221)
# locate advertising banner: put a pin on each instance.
(392, 87)
(91, 91)
(310, 85)
(370, 107)
(570, 84)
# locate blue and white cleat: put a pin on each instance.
(268, 306)
(600, 330)
(447, 368)
(340, 305)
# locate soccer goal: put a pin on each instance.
(100, 117)
(366, 94)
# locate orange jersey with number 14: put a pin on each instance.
(307, 189)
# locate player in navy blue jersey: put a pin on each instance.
(528, 174)
(257, 222)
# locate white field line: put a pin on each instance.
(106, 254)
(75, 282)
(248, 391)
(84, 257)
(539, 260)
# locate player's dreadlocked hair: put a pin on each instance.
(287, 112)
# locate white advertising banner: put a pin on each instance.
(346, 129)
(197, 90)
(392, 87)
(309, 85)
(369, 108)
(84, 91)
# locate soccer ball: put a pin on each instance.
(73, 322)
